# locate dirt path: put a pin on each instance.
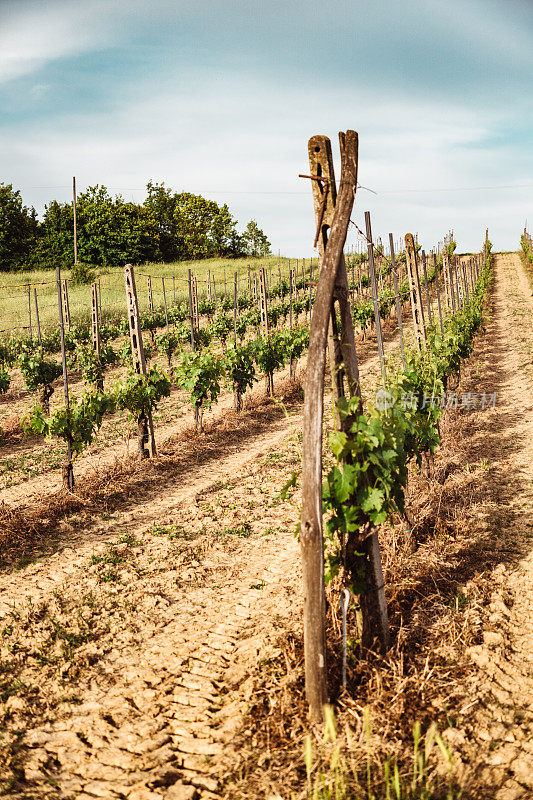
(498, 734)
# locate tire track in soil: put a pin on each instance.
(163, 691)
(497, 742)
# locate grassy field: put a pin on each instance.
(14, 313)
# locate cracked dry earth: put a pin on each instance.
(498, 734)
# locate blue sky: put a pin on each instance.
(220, 98)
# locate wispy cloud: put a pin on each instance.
(221, 99)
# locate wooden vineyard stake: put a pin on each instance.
(99, 298)
(68, 472)
(397, 298)
(66, 307)
(249, 280)
(147, 447)
(165, 302)
(29, 312)
(235, 305)
(332, 215)
(428, 294)
(214, 294)
(414, 290)
(280, 284)
(465, 281)
(208, 282)
(150, 295)
(449, 276)
(294, 281)
(225, 288)
(37, 320)
(195, 302)
(375, 297)
(437, 287)
(263, 301)
(95, 329)
(191, 308)
(173, 290)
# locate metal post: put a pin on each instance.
(75, 220)
(29, 312)
(191, 308)
(165, 302)
(68, 472)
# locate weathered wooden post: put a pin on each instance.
(333, 215)
(428, 294)
(235, 306)
(195, 302)
(414, 290)
(68, 472)
(437, 287)
(397, 298)
(65, 303)
(145, 422)
(263, 301)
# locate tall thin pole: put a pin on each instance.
(75, 221)
(68, 473)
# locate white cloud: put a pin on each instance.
(240, 135)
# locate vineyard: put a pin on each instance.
(266, 523)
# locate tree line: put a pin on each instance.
(167, 226)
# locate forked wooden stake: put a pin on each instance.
(332, 229)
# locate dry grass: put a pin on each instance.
(14, 293)
(438, 577)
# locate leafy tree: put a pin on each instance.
(18, 228)
(39, 374)
(194, 216)
(255, 241)
(111, 232)
(161, 203)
